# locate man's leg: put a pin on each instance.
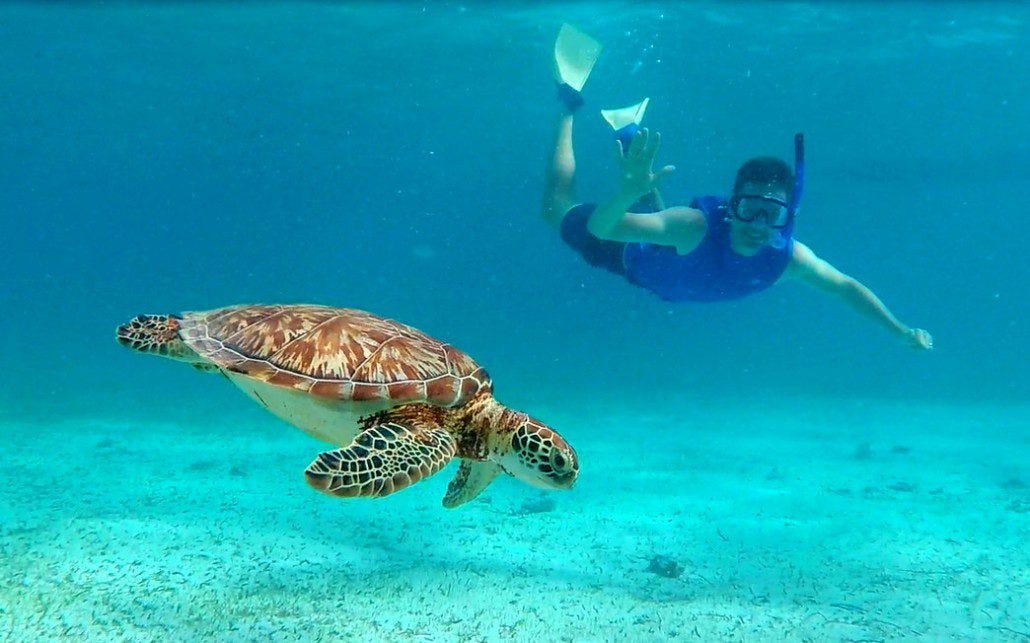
(561, 210)
(558, 181)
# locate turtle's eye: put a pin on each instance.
(558, 461)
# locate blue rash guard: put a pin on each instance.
(710, 272)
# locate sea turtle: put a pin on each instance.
(400, 403)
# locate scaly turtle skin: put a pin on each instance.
(400, 403)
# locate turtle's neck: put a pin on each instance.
(482, 410)
(482, 425)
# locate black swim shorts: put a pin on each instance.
(597, 252)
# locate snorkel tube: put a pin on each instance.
(780, 238)
(799, 174)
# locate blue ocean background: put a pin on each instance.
(163, 157)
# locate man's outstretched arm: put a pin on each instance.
(807, 267)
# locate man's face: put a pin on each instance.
(755, 210)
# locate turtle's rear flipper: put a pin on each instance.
(381, 460)
(470, 481)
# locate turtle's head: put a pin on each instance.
(157, 334)
(540, 457)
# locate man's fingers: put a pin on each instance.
(619, 152)
(639, 142)
(662, 173)
(651, 144)
(922, 339)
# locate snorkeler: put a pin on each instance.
(717, 249)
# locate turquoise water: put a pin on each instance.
(390, 157)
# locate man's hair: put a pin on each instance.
(765, 170)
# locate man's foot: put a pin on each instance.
(569, 97)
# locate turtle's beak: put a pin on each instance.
(566, 481)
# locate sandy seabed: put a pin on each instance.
(799, 519)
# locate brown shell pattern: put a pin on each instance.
(336, 353)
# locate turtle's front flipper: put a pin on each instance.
(470, 481)
(382, 459)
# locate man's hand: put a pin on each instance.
(919, 338)
(636, 177)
